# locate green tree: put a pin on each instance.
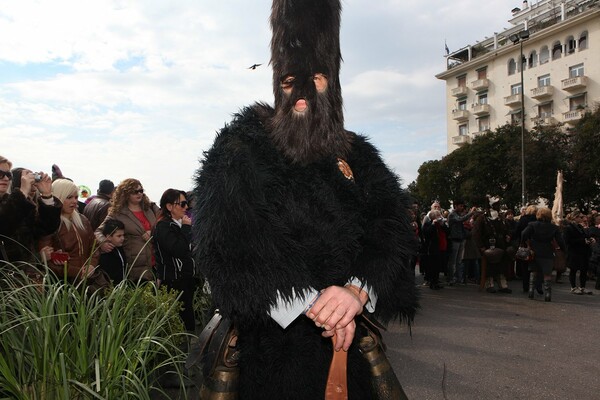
(582, 178)
(491, 165)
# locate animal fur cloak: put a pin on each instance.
(265, 224)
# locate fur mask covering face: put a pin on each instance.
(306, 42)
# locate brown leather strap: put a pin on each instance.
(198, 350)
(337, 380)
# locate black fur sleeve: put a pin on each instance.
(388, 241)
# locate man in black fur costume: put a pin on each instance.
(299, 223)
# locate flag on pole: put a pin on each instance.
(446, 46)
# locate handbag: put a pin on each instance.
(560, 259)
(99, 281)
(524, 254)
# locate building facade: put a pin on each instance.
(556, 80)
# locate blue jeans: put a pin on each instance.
(455, 265)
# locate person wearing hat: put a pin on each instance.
(97, 209)
(492, 238)
(300, 226)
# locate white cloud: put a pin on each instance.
(117, 89)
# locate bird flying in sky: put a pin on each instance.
(254, 66)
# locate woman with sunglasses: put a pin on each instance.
(172, 246)
(28, 212)
(131, 206)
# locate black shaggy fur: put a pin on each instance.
(264, 224)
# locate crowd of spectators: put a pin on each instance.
(43, 221)
(117, 233)
(479, 245)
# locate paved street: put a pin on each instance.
(469, 344)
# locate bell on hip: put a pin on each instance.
(221, 385)
(384, 382)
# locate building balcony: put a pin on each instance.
(542, 92)
(571, 117)
(481, 109)
(460, 115)
(544, 120)
(480, 133)
(461, 140)
(459, 91)
(480, 84)
(575, 83)
(513, 100)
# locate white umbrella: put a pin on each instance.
(557, 204)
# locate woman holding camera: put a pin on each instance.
(435, 244)
(28, 212)
(74, 240)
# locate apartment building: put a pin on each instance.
(556, 79)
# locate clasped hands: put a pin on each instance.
(334, 311)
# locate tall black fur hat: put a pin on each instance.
(306, 40)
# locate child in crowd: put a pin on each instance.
(114, 262)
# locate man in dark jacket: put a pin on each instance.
(457, 237)
(492, 238)
(578, 252)
(97, 209)
(299, 223)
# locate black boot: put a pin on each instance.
(530, 294)
(548, 290)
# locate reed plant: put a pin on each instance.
(59, 342)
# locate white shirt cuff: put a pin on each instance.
(285, 312)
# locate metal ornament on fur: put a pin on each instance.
(306, 41)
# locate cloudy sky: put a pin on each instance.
(117, 89)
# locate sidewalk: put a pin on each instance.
(469, 344)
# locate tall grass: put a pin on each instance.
(58, 343)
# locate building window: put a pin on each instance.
(463, 130)
(512, 66)
(544, 55)
(462, 104)
(483, 124)
(482, 98)
(577, 102)
(545, 110)
(482, 73)
(515, 89)
(571, 45)
(544, 80)
(515, 118)
(556, 51)
(575, 71)
(583, 41)
(461, 81)
(532, 59)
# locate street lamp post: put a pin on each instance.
(520, 38)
